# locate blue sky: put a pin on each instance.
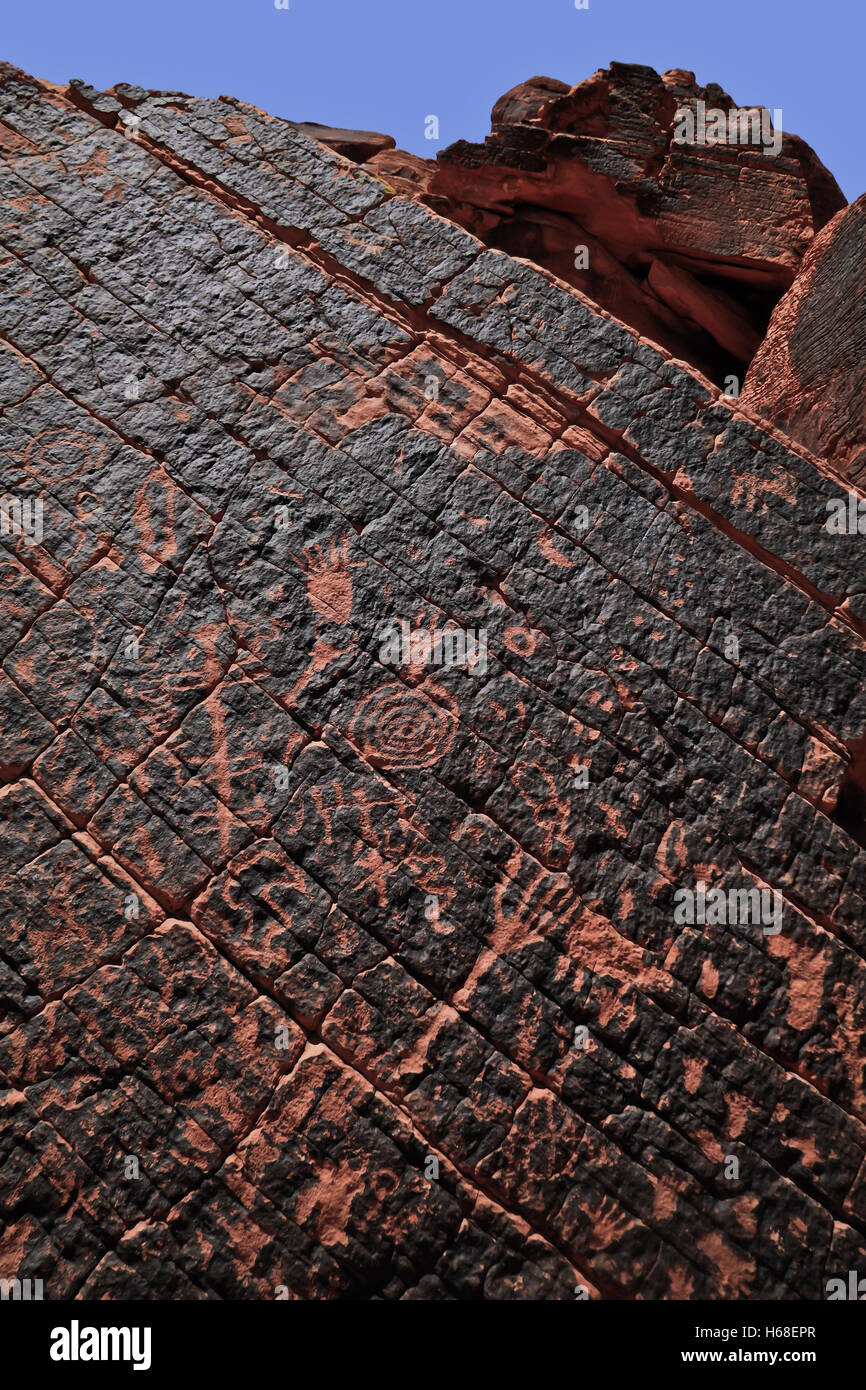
(387, 64)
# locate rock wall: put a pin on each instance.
(691, 243)
(331, 974)
(809, 374)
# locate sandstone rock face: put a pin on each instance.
(328, 973)
(692, 244)
(809, 375)
(358, 145)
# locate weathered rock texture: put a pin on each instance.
(809, 375)
(691, 244)
(339, 979)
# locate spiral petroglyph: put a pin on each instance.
(398, 727)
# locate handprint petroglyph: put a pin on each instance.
(328, 578)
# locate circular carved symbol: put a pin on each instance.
(520, 640)
(401, 727)
(57, 455)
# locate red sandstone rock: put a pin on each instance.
(360, 145)
(327, 974)
(809, 374)
(595, 165)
